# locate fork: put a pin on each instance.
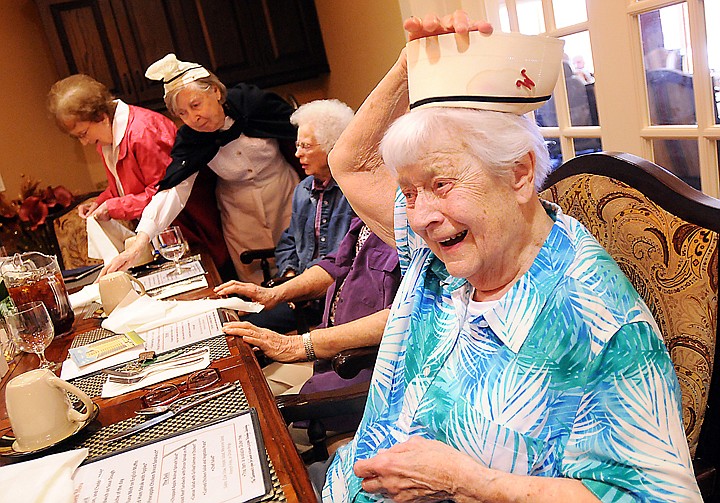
(181, 358)
(152, 370)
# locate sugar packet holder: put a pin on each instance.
(90, 353)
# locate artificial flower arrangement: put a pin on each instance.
(22, 220)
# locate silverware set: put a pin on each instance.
(135, 376)
(171, 412)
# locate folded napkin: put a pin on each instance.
(146, 313)
(106, 239)
(88, 294)
(111, 389)
(47, 479)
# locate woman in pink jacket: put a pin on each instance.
(135, 145)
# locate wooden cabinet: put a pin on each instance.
(266, 42)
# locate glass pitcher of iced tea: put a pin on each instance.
(34, 276)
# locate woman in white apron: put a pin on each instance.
(237, 133)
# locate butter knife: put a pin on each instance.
(167, 415)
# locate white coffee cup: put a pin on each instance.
(40, 411)
(114, 287)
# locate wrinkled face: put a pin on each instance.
(464, 214)
(201, 110)
(92, 133)
(313, 158)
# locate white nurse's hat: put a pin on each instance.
(505, 72)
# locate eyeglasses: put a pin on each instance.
(82, 135)
(168, 393)
(305, 146)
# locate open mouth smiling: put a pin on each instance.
(454, 239)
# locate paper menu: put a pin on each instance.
(184, 332)
(222, 462)
(167, 275)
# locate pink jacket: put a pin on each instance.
(143, 157)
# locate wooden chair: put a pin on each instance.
(664, 236)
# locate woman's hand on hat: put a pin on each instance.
(431, 24)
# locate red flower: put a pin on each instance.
(34, 203)
(63, 196)
(34, 211)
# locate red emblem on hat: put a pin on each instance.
(525, 81)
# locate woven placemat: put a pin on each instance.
(95, 440)
(92, 383)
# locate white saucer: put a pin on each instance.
(9, 447)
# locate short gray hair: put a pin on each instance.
(328, 118)
(497, 139)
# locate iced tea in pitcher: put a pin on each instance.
(34, 276)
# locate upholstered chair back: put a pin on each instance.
(664, 236)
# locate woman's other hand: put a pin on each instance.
(266, 296)
(129, 257)
(101, 213)
(410, 471)
(431, 24)
(278, 347)
(86, 209)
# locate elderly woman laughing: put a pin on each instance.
(518, 363)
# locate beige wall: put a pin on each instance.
(29, 141)
(362, 39)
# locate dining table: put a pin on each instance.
(290, 478)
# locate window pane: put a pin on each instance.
(579, 84)
(504, 17)
(553, 146)
(712, 14)
(668, 65)
(680, 157)
(546, 115)
(579, 80)
(569, 12)
(586, 145)
(530, 17)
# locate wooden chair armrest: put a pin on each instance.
(348, 363)
(323, 404)
(248, 256)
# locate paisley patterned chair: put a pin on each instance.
(71, 234)
(664, 236)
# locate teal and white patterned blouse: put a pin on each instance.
(565, 376)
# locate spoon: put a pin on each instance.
(161, 409)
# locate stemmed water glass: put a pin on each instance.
(172, 246)
(32, 330)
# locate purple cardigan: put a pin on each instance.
(371, 280)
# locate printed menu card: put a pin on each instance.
(222, 462)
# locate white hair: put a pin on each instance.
(328, 119)
(497, 139)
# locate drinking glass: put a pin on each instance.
(32, 330)
(172, 246)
